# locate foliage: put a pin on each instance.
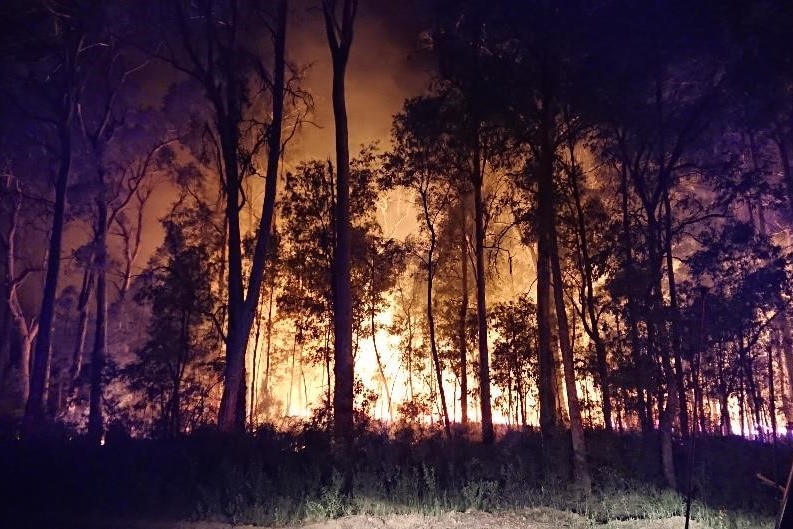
(515, 356)
(176, 370)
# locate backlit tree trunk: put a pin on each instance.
(431, 319)
(589, 317)
(82, 323)
(26, 329)
(99, 352)
(340, 35)
(549, 419)
(481, 307)
(34, 409)
(242, 305)
(463, 316)
(581, 473)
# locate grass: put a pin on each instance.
(283, 478)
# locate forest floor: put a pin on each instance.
(535, 518)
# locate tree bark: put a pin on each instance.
(675, 320)
(34, 408)
(373, 325)
(589, 317)
(242, 306)
(26, 329)
(340, 35)
(581, 472)
(549, 419)
(787, 357)
(481, 307)
(431, 323)
(645, 417)
(82, 323)
(98, 355)
(463, 316)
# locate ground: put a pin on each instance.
(538, 518)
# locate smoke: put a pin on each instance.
(385, 68)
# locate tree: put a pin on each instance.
(421, 162)
(175, 368)
(54, 33)
(26, 327)
(308, 237)
(217, 45)
(515, 354)
(339, 32)
(101, 118)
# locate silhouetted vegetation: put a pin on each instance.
(274, 477)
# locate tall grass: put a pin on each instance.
(280, 478)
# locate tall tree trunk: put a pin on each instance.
(265, 391)
(462, 322)
(340, 35)
(254, 370)
(725, 426)
(589, 317)
(656, 332)
(82, 323)
(373, 325)
(772, 394)
(559, 384)
(95, 422)
(431, 323)
(481, 308)
(26, 329)
(639, 358)
(675, 320)
(34, 408)
(242, 306)
(787, 357)
(581, 473)
(549, 419)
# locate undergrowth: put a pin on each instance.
(283, 478)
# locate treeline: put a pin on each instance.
(639, 155)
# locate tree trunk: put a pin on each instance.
(639, 358)
(340, 35)
(724, 409)
(581, 473)
(589, 317)
(549, 419)
(95, 422)
(481, 308)
(656, 331)
(34, 408)
(265, 391)
(559, 383)
(463, 316)
(772, 394)
(431, 323)
(242, 307)
(82, 323)
(373, 305)
(675, 320)
(25, 329)
(787, 357)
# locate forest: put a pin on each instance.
(286, 253)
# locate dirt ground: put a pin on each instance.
(540, 518)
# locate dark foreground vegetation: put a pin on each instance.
(278, 478)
